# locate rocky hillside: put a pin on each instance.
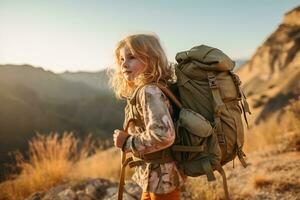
(272, 76)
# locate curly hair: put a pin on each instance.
(146, 48)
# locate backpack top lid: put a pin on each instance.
(208, 58)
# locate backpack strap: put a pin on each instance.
(170, 94)
(212, 81)
(218, 107)
(245, 107)
(220, 169)
(208, 169)
(132, 109)
(159, 157)
(244, 103)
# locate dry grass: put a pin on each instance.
(200, 188)
(104, 164)
(273, 131)
(262, 136)
(261, 180)
(54, 160)
(51, 159)
(286, 182)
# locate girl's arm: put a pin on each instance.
(159, 133)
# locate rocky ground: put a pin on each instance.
(272, 174)
(92, 189)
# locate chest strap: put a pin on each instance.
(158, 157)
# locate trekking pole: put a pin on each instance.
(122, 176)
(124, 163)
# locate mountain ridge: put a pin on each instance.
(34, 100)
(271, 77)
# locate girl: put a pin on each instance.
(141, 62)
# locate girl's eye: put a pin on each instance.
(131, 57)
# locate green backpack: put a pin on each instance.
(208, 122)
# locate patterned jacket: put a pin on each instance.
(155, 133)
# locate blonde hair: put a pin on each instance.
(146, 48)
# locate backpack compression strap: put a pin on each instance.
(244, 103)
(218, 107)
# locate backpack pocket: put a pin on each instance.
(195, 123)
(233, 130)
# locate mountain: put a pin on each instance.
(96, 80)
(47, 84)
(271, 78)
(34, 100)
(50, 102)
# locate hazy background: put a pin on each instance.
(81, 35)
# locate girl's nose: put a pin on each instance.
(124, 64)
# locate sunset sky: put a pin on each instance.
(74, 35)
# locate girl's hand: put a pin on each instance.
(120, 137)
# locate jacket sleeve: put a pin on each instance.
(159, 129)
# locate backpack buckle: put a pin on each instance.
(212, 81)
(237, 79)
(221, 138)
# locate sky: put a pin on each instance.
(74, 35)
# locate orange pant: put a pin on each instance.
(175, 195)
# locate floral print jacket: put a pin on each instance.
(155, 133)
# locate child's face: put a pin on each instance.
(130, 65)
